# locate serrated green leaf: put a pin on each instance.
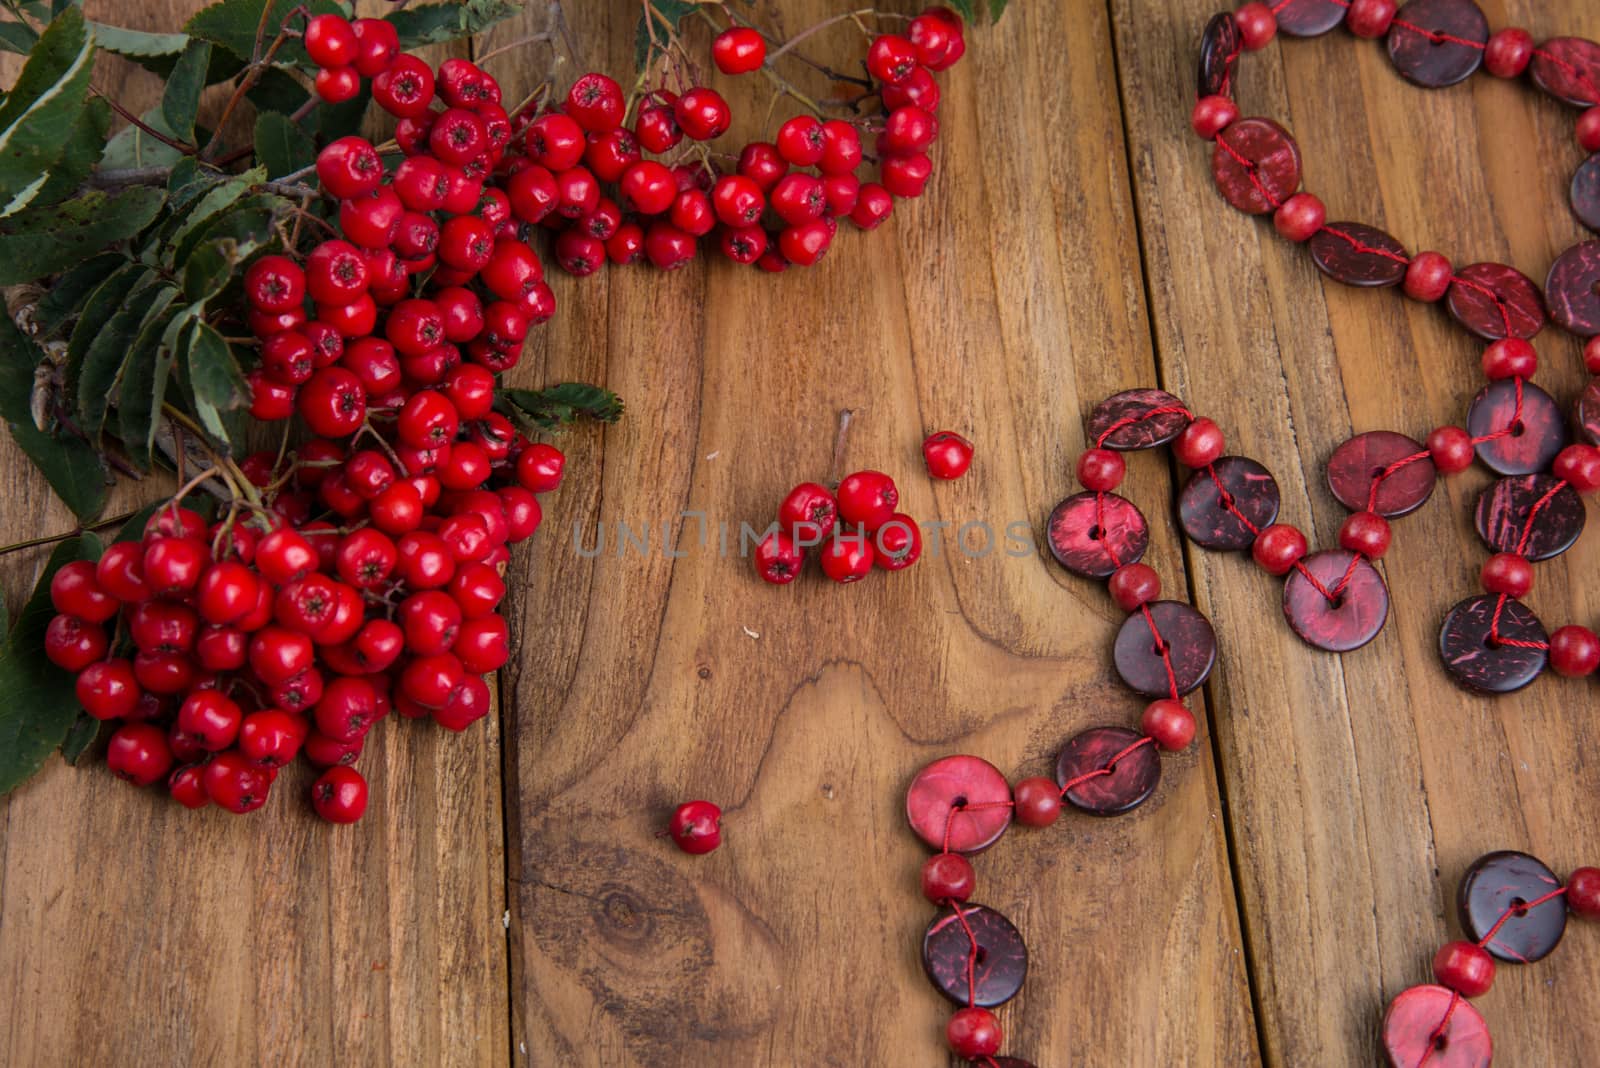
(80, 736)
(438, 23)
(41, 703)
(233, 24)
(281, 146)
(102, 338)
(180, 103)
(663, 17)
(132, 147)
(17, 37)
(561, 405)
(144, 378)
(72, 288)
(41, 241)
(79, 155)
(72, 467)
(211, 208)
(137, 44)
(38, 115)
(215, 381)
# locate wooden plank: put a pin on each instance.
(1004, 304)
(133, 930)
(1360, 787)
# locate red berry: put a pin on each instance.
(275, 284)
(696, 826)
(73, 644)
(595, 102)
(907, 130)
(371, 219)
(333, 403)
(808, 513)
(947, 454)
(335, 85)
(867, 499)
(847, 557)
(1464, 967)
(1101, 470)
(209, 720)
(1369, 18)
(330, 41)
(892, 59)
(1169, 723)
(278, 655)
(906, 176)
(1038, 802)
(974, 1033)
(107, 689)
(120, 572)
(778, 558)
(761, 163)
(738, 50)
(405, 88)
(1278, 548)
(948, 877)
(227, 593)
(897, 544)
(702, 113)
(539, 467)
(74, 591)
(648, 188)
(873, 206)
(139, 753)
(271, 738)
(841, 148)
(187, 788)
(556, 142)
(377, 46)
(347, 708)
(668, 247)
(235, 784)
(1588, 130)
(340, 795)
(657, 129)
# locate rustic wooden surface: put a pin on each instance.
(1071, 245)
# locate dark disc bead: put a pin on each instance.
(1476, 660)
(1428, 61)
(1185, 638)
(1495, 301)
(1572, 289)
(1136, 428)
(1359, 255)
(1501, 516)
(1352, 617)
(1219, 47)
(1568, 68)
(1002, 962)
(1309, 18)
(1256, 164)
(1432, 1026)
(1538, 430)
(1588, 412)
(1093, 534)
(1127, 785)
(1584, 195)
(955, 782)
(1213, 501)
(1498, 882)
(1356, 464)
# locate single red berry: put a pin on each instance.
(73, 644)
(1464, 967)
(974, 1033)
(1038, 802)
(120, 572)
(906, 176)
(595, 102)
(667, 247)
(74, 591)
(947, 454)
(349, 167)
(867, 499)
(761, 163)
(139, 753)
(271, 738)
(228, 591)
(848, 557)
(1588, 130)
(371, 220)
(107, 689)
(778, 558)
(657, 129)
(335, 85)
(332, 403)
(703, 113)
(377, 46)
(340, 795)
(1574, 651)
(1583, 893)
(1132, 585)
(897, 544)
(235, 784)
(841, 148)
(209, 720)
(892, 59)
(1101, 470)
(275, 284)
(696, 827)
(330, 41)
(808, 514)
(1366, 533)
(932, 36)
(1278, 548)
(539, 467)
(738, 50)
(347, 708)
(187, 787)
(948, 877)
(556, 142)
(1169, 723)
(405, 88)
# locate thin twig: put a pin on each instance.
(51, 539)
(839, 440)
(187, 150)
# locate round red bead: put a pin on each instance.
(1169, 723)
(1510, 357)
(1101, 469)
(1132, 585)
(1508, 52)
(1574, 651)
(1507, 573)
(1588, 130)
(974, 1033)
(1369, 18)
(1452, 449)
(1038, 802)
(1300, 217)
(1200, 443)
(1428, 277)
(948, 877)
(1257, 25)
(1464, 967)
(1212, 115)
(1366, 533)
(1578, 465)
(1278, 548)
(1583, 893)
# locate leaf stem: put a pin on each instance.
(187, 150)
(51, 539)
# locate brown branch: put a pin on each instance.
(187, 150)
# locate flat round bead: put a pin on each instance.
(1269, 173)
(1495, 301)
(1136, 429)
(1190, 649)
(1588, 412)
(1002, 956)
(1476, 663)
(1126, 786)
(1506, 880)
(1432, 1026)
(1357, 463)
(1355, 615)
(1584, 193)
(1570, 289)
(1094, 534)
(1212, 501)
(1428, 61)
(1219, 46)
(959, 780)
(1543, 428)
(1308, 18)
(1568, 68)
(1359, 255)
(1502, 512)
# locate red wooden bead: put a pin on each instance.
(1366, 533)
(1300, 217)
(948, 877)
(1579, 465)
(1589, 130)
(1132, 585)
(1200, 443)
(974, 1033)
(1278, 548)
(1101, 469)
(1257, 25)
(1508, 52)
(1465, 968)
(1510, 357)
(1591, 355)
(1369, 18)
(1212, 115)
(1507, 573)
(1452, 449)
(1574, 651)
(1169, 723)
(1428, 277)
(1583, 893)
(1038, 802)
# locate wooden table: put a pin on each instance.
(506, 900)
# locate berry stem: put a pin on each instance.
(51, 539)
(824, 24)
(837, 466)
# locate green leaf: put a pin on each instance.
(281, 146)
(41, 241)
(665, 15)
(437, 23)
(71, 466)
(40, 703)
(83, 149)
(184, 230)
(180, 103)
(214, 378)
(38, 115)
(233, 24)
(80, 736)
(68, 294)
(101, 341)
(132, 147)
(561, 405)
(17, 37)
(133, 529)
(137, 44)
(996, 9)
(144, 377)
